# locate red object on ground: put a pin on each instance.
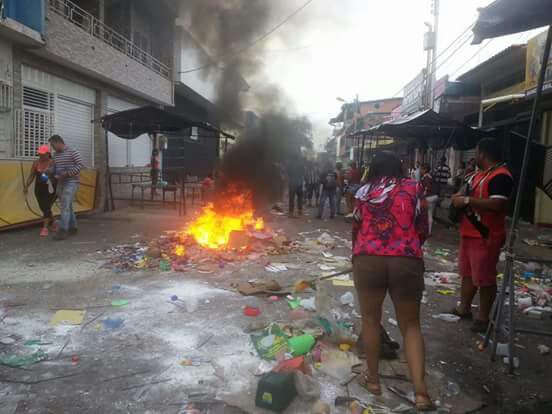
(291, 365)
(75, 359)
(251, 311)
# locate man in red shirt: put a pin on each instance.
(485, 203)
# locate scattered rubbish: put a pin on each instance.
(119, 303)
(22, 361)
(189, 362)
(486, 389)
(8, 340)
(347, 299)
(327, 255)
(343, 283)
(276, 267)
(307, 387)
(524, 303)
(273, 298)
(337, 364)
(300, 345)
(174, 298)
(446, 292)
(543, 349)
(292, 365)
(275, 391)
(345, 347)
(112, 323)
(251, 311)
(298, 314)
(450, 389)
(393, 322)
(447, 317)
(67, 317)
(115, 287)
(75, 360)
(326, 268)
(320, 407)
(270, 342)
(308, 304)
(294, 303)
(264, 368)
(256, 288)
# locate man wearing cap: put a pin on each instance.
(68, 164)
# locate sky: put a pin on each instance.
(341, 48)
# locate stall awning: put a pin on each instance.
(504, 17)
(149, 120)
(427, 127)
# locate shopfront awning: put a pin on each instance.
(427, 127)
(151, 120)
(504, 17)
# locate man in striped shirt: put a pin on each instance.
(67, 164)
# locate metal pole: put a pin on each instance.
(509, 274)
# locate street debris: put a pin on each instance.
(447, 317)
(543, 349)
(22, 361)
(67, 317)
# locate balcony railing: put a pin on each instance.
(96, 28)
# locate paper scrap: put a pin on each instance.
(67, 317)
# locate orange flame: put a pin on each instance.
(213, 227)
(179, 250)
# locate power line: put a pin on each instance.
(471, 58)
(461, 35)
(258, 40)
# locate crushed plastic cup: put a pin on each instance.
(251, 311)
(347, 299)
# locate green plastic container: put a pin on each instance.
(275, 391)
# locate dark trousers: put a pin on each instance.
(295, 190)
(313, 191)
(327, 195)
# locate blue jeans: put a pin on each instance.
(327, 195)
(66, 194)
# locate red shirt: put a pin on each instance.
(391, 219)
(484, 185)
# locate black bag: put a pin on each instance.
(455, 214)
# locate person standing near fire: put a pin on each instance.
(296, 179)
(483, 231)
(340, 187)
(155, 167)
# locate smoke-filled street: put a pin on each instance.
(275, 206)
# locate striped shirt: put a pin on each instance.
(69, 162)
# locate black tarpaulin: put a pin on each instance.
(150, 120)
(428, 127)
(504, 17)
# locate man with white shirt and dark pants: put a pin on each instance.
(67, 164)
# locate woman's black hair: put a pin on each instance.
(385, 164)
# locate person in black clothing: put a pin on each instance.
(328, 186)
(42, 173)
(296, 177)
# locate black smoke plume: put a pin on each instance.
(271, 137)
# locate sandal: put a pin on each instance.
(371, 383)
(424, 403)
(465, 315)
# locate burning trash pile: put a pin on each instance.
(226, 231)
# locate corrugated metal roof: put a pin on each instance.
(513, 51)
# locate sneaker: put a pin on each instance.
(44, 232)
(73, 231)
(61, 235)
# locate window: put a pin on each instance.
(34, 124)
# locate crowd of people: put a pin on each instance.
(56, 178)
(392, 215)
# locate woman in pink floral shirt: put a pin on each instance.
(390, 226)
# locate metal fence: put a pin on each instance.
(96, 28)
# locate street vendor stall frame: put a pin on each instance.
(500, 18)
(149, 120)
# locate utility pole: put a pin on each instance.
(435, 8)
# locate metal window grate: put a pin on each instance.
(32, 129)
(99, 30)
(38, 99)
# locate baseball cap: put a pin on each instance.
(44, 149)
